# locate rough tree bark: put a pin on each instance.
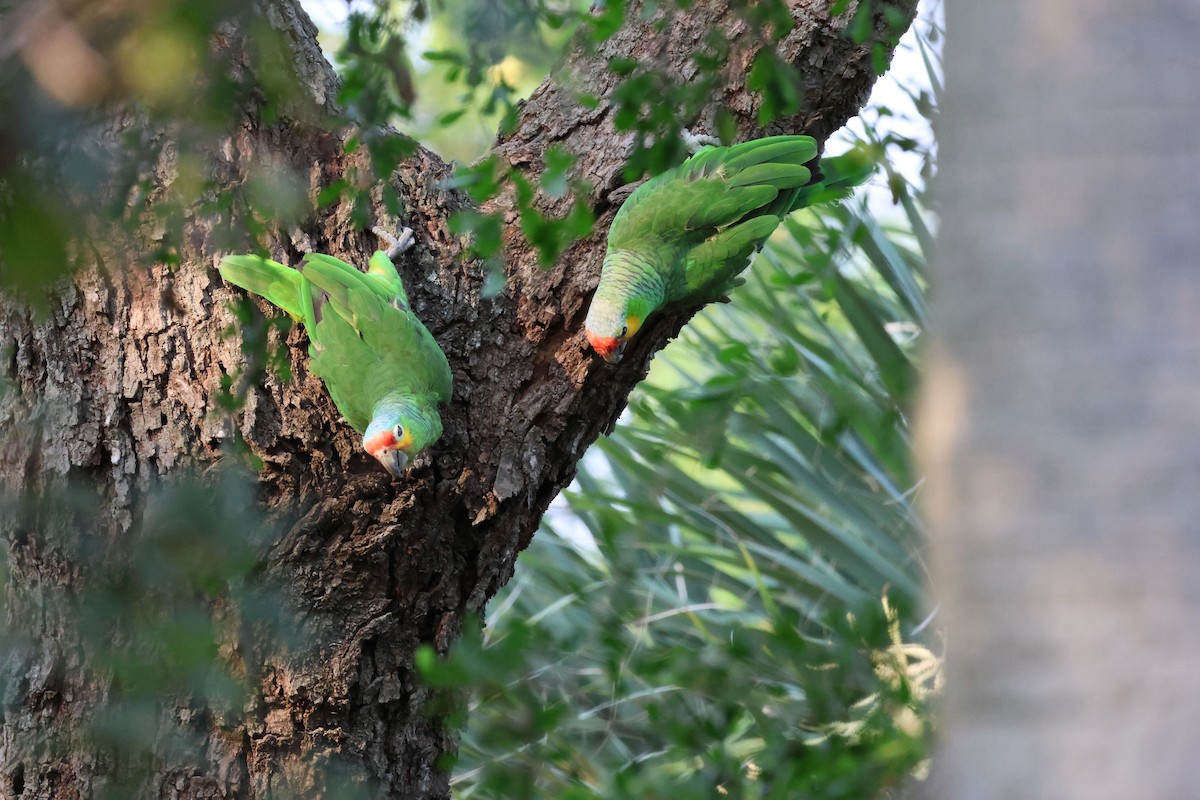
(123, 380)
(1059, 425)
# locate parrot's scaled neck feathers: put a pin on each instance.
(630, 288)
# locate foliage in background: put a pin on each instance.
(478, 58)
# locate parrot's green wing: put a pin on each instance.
(711, 267)
(282, 286)
(368, 345)
(365, 342)
(710, 191)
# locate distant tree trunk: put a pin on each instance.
(120, 386)
(1060, 426)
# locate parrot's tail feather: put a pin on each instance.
(334, 276)
(839, 176)
(283, 286)
(381, 277)
(847, 171)
(781, 176)
(774, 150)
(331, 262)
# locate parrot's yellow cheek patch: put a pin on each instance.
(632, 324)
(405, 441)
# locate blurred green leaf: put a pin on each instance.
(778, 83)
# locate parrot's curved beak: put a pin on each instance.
(610, 348)
(394, 461)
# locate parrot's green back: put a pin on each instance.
(712, 190)
(365, 342)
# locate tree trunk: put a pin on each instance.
(1058, 415)
(119, 389)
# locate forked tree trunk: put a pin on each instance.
(119, 388)
(1061, 414)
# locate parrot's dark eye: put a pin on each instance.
(624, 330)
(398, 432)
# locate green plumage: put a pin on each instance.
(381, 366)
(685, 235)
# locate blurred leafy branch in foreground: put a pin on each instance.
(187, 83)
(165, 627)
(482, 56)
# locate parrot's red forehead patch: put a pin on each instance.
(384, 440)
(604, 345)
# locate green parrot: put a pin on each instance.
(383, 369)
(683, 236)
